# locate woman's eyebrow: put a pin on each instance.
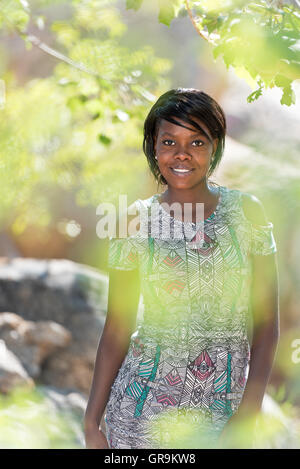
(174, 135)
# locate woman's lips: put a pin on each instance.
(181, 173)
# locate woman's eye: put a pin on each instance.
(200, 142)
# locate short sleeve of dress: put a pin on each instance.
(262, 239)
(122, 254)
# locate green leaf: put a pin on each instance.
(217, 50)
(168, 10)
(288, 96)
(282, 81)
(133, 4)
(104, 139)
(210, 23)
(15, 18)
(255, 95)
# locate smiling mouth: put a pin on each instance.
(181, 171)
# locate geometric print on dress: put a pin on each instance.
(220, 383)
(135, 389)
(202, 367)
(132, 257)
(166, 399)
(169, 390)
(173, 378)
(222, 392)
(171, 263)
(138, 390)
(174, 287)
(202, 243)
(173, 259)
(198, 383)
(137, 347)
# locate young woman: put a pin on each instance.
(203, 351)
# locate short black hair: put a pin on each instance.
(182, 103)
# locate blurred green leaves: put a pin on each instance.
(14, 15)
(78, 129)
(134, 4)
(30, 421)
(167, 9)
(190, 429)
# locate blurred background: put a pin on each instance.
(77, 80)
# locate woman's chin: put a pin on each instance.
(183, 184)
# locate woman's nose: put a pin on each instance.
(181, 152)
(182, 155)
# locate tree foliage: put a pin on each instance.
(259, 39)
(79, 129)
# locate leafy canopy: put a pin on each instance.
(79, 129)
(259, 39)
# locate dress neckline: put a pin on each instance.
(206, 220)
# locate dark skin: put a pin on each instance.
(123, 297)
(175, 145)
(186, 147)
(240, 430)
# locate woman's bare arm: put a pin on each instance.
(123, 299)
(265, 331)
(265, 312)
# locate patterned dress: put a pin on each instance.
(186, 368)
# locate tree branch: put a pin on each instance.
(193, 20)
(58, 55)
(35, 41)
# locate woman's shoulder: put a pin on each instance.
(132, 218)
(253, 209)
(127, 218)
(251, 206)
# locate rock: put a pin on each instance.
(72, 367)
(47, 335)
(10, 321)
(65, 399)
(58, 314)
(12, 373)
(58, 310)
(53, 290)
(32, 341)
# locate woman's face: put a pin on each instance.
(183, 155)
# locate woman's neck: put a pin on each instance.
(201, 194)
